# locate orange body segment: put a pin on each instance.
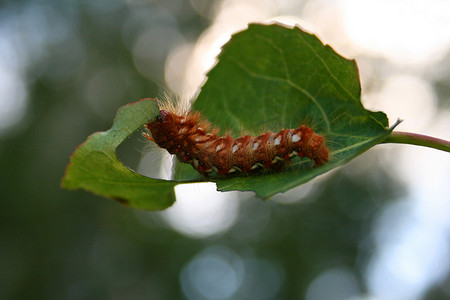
(194, 141)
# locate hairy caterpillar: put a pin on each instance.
(194, 141)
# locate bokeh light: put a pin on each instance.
(338, 284)
(201, 210)
(219, 273)
(216, 274)
(13, 101)
(406, 32)
(377, 228)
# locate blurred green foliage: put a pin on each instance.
(57, 244)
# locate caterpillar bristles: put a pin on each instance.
(195, 141)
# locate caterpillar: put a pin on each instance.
(194, 141)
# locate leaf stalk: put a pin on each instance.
(400, 137)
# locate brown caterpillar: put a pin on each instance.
(194, 141)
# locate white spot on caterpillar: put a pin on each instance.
(277, 141)
(235, 148)
(219, 147)
(233, 169)
(257, 165)
(255, 146)
(197, 139)
(277, 158)
(295, 138)
(292, 154)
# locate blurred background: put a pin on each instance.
(376, 229)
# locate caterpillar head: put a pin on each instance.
(163, 121)
(163, 127)
(162, 117)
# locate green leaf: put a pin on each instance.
(94, 165)
(270, 77)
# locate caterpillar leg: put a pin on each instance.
(148, 136)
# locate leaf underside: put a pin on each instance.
(268, 77)
(95, 167)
